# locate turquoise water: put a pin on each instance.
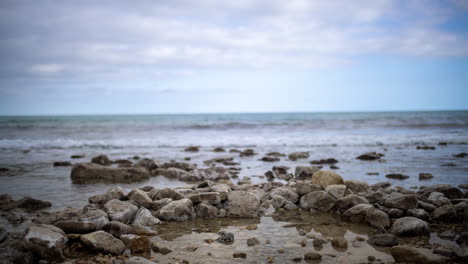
(29, 145)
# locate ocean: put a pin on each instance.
(30, 144)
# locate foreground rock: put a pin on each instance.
(416, 255)
(89, 172)
(180, 210)
(46, 241)
(243, 204)
(409, 226)
(103, 242)
(383, 240)
(319, 200)
(120, 211)
(325, 178)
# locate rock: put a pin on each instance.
(140, 197)
(305, 172)
(416, 255)
(46, 241)
(192, 149)
(209, 197)
(381, 185)
(96, 216)
(213, 174)
(395, 213)
(446, 212)
(239, 255)
(397, 176)
(357, 213)
(339, 242)
(225, 238)
(461, 155)
(252, 241)
(160, 203)
(206, 210)
(409, 226)
(288, 193)
(3, 234)
(277, 201)
(418, 213)
(427, 206)
(243, 204)
(144, 219)
(324, 161)
(336, 190)
(140, 245)
(76, 227)
(311, 256)
(62, 164)
(167, 193)
(103, 242)
(27, 203)
(139, 260)
(377, 218)
(344, 203)
(319, 200)
(111, 194)
(247, 152)
(438, 199)
(425, 176)
(118, 229)
(305, 187)
(325, 178)
(179, 165)
(90, 172)
(288, 205)
(370, 156)
(383, 240)
(77, 156)
(449, 191)
(357, 186)
(463, 186)
(160, 250)
(270, 159)
(180, 210)
(148, 164)
(298, 155)
(101, 160)
(120, 211)
(404, 202)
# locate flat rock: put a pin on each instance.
(298, 155)
(370, 156)
(397, 176)
(90, 173)
(404, 202)
(103, 242)
(46, 241)
(416, 255)
(383, 240)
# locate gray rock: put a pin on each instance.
(377, 218)
(120, 211)
(180, 210)
(305, 172)
(288, 193)
(111, 194)
(357, 186)
(418, 213)
(395, 213)
(409, 226)
(144, 219)
(336, 190)
(160, 203)
(445, 212)
(243, 204)
(383, 240)
(101, 160)
(46, 241)
(76, 227)
(103, 242)
(404, 202)
(438, 199)
(357, 213)
(27, 203)
(427, 206)
(209, 197)
(325, 178)
(166, 193)
(118, 229)
(96, 216)
(225, 238)
(148, 164)
(319, 200)
(277, 201)
(206, 210)
(303, 188)
(290, 206)
(416, 255)
(140, 198)
(90, 172)
(344, 203)
(298, 155)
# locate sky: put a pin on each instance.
(210, 56)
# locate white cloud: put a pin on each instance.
(47, 69)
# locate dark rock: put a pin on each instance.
(62, 164)
(140, 245)
(90, 172)
(160, 250)
(449, 191)
(270, 159)
(370, 156)
(103, 242)
(252, 241)
(416, 255)
(418, 213)
(404, 202)
(425, 176)
(383, 240)
(101, 160)
(117, 228)
(27, 203)
(78, 156)
(76, 227)
(225, 238)
(247, 152)
(409, 226)
(397, 176)
(148, 164)
(425, 147)
(192, 149)
(446, 212)
(395, 213)
(348, 201)
(219, 149)
(298, 155)
(239, 255)
(461, 155)
(324, 161)
(357, 186)
(276, 154)
(311, 256)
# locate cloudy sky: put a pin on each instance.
(105, 57)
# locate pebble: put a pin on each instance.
(239, 255)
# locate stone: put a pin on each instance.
(247, 153)
(324, 161)
(209, 197)
(305, 172)
(139, 260)
(46, 241)
(404, 202)
(160, 250)
(166, 193)
(192, 149)
(160, 203)
(344, 203)
(225, 238)
(357, 213)
(336, 190)
(3, 234)
(409, 226)
(179, 165)
(27, 203)
(377, 218)
(397, 176)
(339, 242)
(101, 160)
(111, 194)
(239, 255)
(252, 241)
(277, 201)
(288, 205)
(425, 176)
(96, 216)
(180, 210)
(298, 155)
(325, 178)
(427, 206)
(140, 197)
(173, 173)
(243, 204)
(140, 245)
(220, 188)
(288, 193)
(148, 164)
(311, 256)
(438, 198)
(62, 164)
(395, 213)
(383, 240)
(357, 186)
(206, 210)
(144, 219)
(76, 227)
(103, 242)
(370, 156)
(90, 172)
(418, 213)
(319, 200)
(270, 159)
(213, 174)
(449, 191)
(118, 229)
(416, 255)
(446, 212)
(302, 187)
(120, 211)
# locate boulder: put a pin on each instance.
(120, 211)
(140, 197)
(288, 193)
(357, 186)
(446, 212)
(144, 219)
(160, 203)
(111, 194)
(409, 226)
(206, 210)
(370, 156)
(418, 213)
(302, 187)
(319, 200)
(404, 202)
(118, 229)
(357, 213)
(438, 199)
(180, 210)
(90, 172)
(96, 216)
(166, 193)
(209, 197)
(397, 176)
(243, 204)
(336, 190)
(101, 160)
(325, 178)
(416, 255)
(344, 203)
(377, 218)
(148, 164)
(76, 227)
(46, 241)
(103, 242)
(395, 213)
(277, 201)
(449, 191)
(305, 172)
(298, 155)
(27, 203)
(383, 240)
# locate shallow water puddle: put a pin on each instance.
(282, 231)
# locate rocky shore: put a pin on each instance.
(428, 225)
